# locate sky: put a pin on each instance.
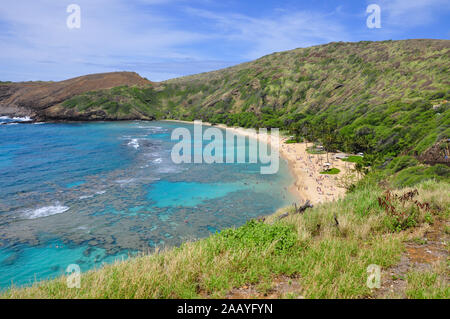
(163, 39)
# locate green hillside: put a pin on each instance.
(386, 98)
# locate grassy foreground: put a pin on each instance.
(324, 259)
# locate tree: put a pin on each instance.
(329, 138)
(306, 128)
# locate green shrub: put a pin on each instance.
(313, 150)
(413, 175)
(404, 211)
(331, 171)
(401, 162)
(353, 159)
(407, 219)
(260, 236)
(293, 141)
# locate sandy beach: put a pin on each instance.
(307, 167)
(309, 183)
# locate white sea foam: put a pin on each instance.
(22, 119)
(16, 119)
(45, 211)
(125, 181)
(158, 160)
(134, 143)
(90, 196)
(170, 169)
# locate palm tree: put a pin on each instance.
(328, 138)
(305, 131)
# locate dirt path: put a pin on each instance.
(421, 254)
(282, 287)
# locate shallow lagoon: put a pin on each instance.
(89, 193)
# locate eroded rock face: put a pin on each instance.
(439, 153)
(7, 104)
(41, 100)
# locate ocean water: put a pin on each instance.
(92, 193)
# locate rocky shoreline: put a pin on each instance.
(43, 101)
(70, 120)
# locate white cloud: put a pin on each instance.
(284, 31)
(117, 34)
(162, 38)
(412, 13)
(111, 31)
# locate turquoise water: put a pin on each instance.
(90, 193)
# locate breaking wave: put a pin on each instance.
(45, 211)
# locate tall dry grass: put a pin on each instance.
(328, 260)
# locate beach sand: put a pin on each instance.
(309, 183)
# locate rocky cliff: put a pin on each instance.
(42, 100)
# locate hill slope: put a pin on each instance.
(386, 97)
(315, 78)
(41, 99)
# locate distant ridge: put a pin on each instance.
(345, 79)
(41, 99)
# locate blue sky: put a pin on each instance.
(162, 39)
